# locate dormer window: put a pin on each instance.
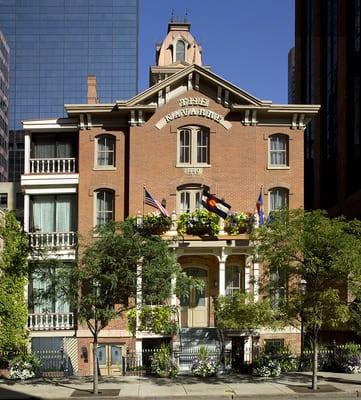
(180, 51)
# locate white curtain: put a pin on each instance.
(65, 213)
(43, 213)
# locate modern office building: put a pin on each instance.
(205, 132)
(328, 73)
(55, 45)
(4, 107)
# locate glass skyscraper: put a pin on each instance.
(4, 86)
(54, 46)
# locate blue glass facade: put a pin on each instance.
(4, 86)
(56, 44)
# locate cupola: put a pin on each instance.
(178, 50)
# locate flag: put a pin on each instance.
(259, 206)
(151, 201)
(214, 204)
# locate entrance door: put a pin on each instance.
(110, 359)
(194, 311)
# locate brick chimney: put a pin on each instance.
(92, 90)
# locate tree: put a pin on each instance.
(105, 281)
(322, 253)
(13, 278)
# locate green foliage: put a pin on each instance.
(13, 278)
(323, 252)
(152, 224)
(162, 363)
(200, 222)
(24, 366)
(286, 358)
(156, 319)
(240, 312)
(319, 250)
(237, 223)
(204, 365)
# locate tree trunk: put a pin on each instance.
(315, 362)
(95, 363)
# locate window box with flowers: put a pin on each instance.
(199, 222)
(238, 222)
(156, 223)
(153, 224)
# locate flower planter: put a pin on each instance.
(4, 373)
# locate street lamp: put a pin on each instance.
(302, 286)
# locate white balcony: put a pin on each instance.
(51, 321)
(52, 240)
(52, 165)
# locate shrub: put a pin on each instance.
(24, 367)
(162, 363)
(266, 365)
(204, 365)
(236, 223)
(347, 358)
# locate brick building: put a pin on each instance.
(191, 129)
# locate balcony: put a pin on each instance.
(52, 240)
(53, 165)
(51, 321)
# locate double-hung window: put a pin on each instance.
(180, 51)
(233, 279)
(190, 199)
(105, 155)
(278, 151)
(193, 146)
(278, 198)
(104, 206)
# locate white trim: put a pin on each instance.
(51, 190)
(279, 166)
(53, 179)
(27, 153)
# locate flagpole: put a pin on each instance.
(143, 197)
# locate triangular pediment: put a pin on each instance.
(200, 79)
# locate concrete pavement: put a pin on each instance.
(290, 386)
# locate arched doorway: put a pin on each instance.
(194, 309)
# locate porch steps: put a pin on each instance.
(192, 339)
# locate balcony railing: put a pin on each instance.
(52, 165)
(51, 321)
(55, 240)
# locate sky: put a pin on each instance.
(244, 41)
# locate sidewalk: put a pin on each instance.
(342, 386)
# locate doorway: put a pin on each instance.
(110, 359)
(194, 309)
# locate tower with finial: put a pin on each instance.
(178, 50)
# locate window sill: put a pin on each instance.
(105, 168)
(193, 165)
(278, 167)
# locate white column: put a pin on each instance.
(27, 153)
(26, 212)
(222, 275)
(256, 281)
(173, 298)
(247, 349)
(247, 270)
(139, 291)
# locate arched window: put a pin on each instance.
(278, 198)
(189, 197)
(105, 151)
(193, 146)
(278, 151)
(104, 206)
(180, 51)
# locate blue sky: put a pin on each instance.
(244, 41)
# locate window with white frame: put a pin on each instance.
(180, 51)
(189, 199)
(233, 279)
(104, 206)
(193, 146)
(278, 151)
(278, 198)
(105, 151)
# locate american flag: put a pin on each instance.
(151, 201)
